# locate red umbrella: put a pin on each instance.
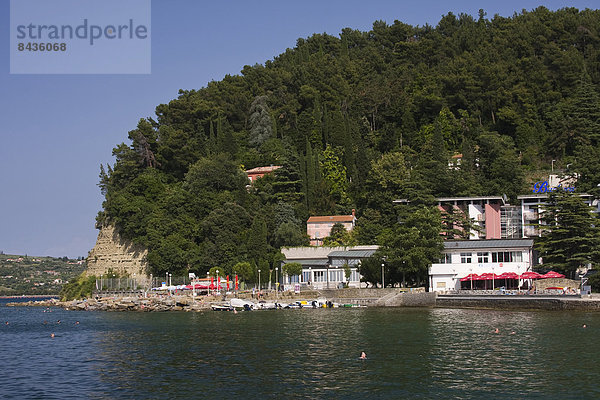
(470, 277)
(530, 275)
(508, 275)
(487, 276)
(552, 274)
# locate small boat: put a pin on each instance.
(217, 307)
(241, 304)
(263, 305)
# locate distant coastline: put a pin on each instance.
(30, 296)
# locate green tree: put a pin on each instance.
(570, 234)
(292, 269)
(411, 247)
(261, 124)
(339, 236)
(334, 173)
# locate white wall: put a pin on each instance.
(447, 276)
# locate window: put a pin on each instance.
(355, 276)
(446, 259)
(336, 276)
(294, 279)
(306, 276)
(319, 276)
(482, 257)
(507, 256)
(465, 258)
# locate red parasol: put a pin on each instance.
(530, 275)
(470, 277)
(552, 274)
(508, 275)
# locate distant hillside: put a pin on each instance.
(472, 106)
(36, 275)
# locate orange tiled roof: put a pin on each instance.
(331, 218)
(263, 170)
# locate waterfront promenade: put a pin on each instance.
(368, 297)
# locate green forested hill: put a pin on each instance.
(356, 121)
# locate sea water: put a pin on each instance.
(411, 353)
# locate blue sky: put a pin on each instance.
(56, 130)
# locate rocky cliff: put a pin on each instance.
(113, 252)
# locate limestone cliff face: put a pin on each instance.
(113, 252)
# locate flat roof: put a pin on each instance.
(471, 198)
(307, 261)
(475, 198)
(487, 244)
(545, 196)
(352, 254)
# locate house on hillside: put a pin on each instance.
(259, 172)
(319, 227)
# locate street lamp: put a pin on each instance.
(553, 161)
(382, 276)
(471, 270)
(259, 280)
(207, 282)
(101, 282)
(493, 279)
(218, 283)
(276, 281)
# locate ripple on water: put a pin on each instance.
(415, 353)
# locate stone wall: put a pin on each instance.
(541, 284)
(113, 252)
(519, 303)
(408, 299)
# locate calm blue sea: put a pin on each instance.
(412, 353)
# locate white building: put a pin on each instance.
(323, 267)
(463, 257)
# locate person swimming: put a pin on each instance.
(363, 355)
(497, 330)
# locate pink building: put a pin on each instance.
(318, 228)
(259, 172)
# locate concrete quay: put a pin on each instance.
(523, 302)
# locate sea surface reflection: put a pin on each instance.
(419, 353)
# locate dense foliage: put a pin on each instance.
(571, 237)
(80, 288)
(357, 121)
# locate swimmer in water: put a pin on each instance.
(52, 335)
(497, 330)
(584, 325)
(363, 355)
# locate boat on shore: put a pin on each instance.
(241, 304)
(220, 307)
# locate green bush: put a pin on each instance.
(594, 282)
(80, 288)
